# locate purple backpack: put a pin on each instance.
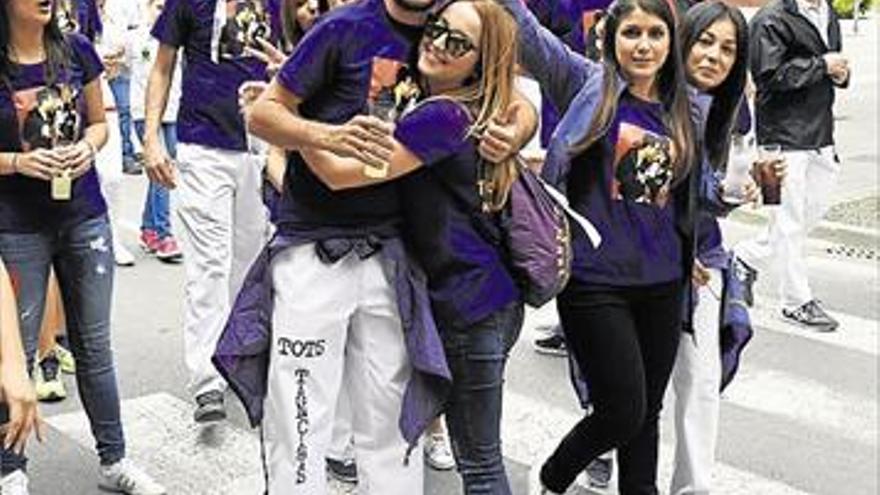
(538, 238)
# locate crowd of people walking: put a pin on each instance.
(368, 194)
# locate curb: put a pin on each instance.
(834, 232)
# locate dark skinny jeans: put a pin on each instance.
(625, 341)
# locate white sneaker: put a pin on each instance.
(14, 483)
(122, 255)
(438, 455)
(125, 477)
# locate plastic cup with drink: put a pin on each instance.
(384, 109)
(766, 173)
(738, 174)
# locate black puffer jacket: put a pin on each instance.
(795, 95)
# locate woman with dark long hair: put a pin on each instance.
(714, 39)
(624, 153)
(53, 215)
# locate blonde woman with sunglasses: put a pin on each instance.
(464, 80)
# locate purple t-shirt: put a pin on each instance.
(353, 55)
(36, 115)
(215, 64)
(454, 241)
(79, 16)
(622, 184)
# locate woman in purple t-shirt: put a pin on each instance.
(52, 215)
(464, 81)
(623, 151)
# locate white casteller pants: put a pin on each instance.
(696, 381)
(341, 444)
(336, 326)
(224, 225)
(806, 194)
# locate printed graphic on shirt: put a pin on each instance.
(247, 21)
(146, 54)
(66, 16)
(392, 89)
(642, 166)
(47, 116)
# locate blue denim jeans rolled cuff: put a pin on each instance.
(157, 206)
(82, 257)
(477, 356)
(120, 86)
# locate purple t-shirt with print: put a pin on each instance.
(629, 198)
(36, 114)
(213, 37)
(454, 241)
(353, 55)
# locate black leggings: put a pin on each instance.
(624, 341)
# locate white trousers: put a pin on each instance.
(696, 380)
(806, 194)
(336, 326)
(341, 443)
(223, 225)
(108, 165)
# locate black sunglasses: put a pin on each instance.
(456, 43)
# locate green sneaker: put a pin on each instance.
(47, 376)
(65, 359)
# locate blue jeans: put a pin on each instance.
(156, 214)
(121, 88)
(477, 356)
(82, 256)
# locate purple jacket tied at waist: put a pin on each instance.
(242, 354)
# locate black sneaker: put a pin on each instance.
(747, 275)
(209, 407)
(599, 472)
(811, 315)
(344, 471)
(553, 345)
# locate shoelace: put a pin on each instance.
(814, 310)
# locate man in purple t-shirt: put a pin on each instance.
(336, 321)
(223, 221)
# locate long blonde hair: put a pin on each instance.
(490, 92)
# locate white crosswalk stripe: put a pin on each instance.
(530, 430)
(854, 333)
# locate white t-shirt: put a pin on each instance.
(142, 53)
(118, 19)
(531, 90)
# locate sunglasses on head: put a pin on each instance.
(455, 43)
